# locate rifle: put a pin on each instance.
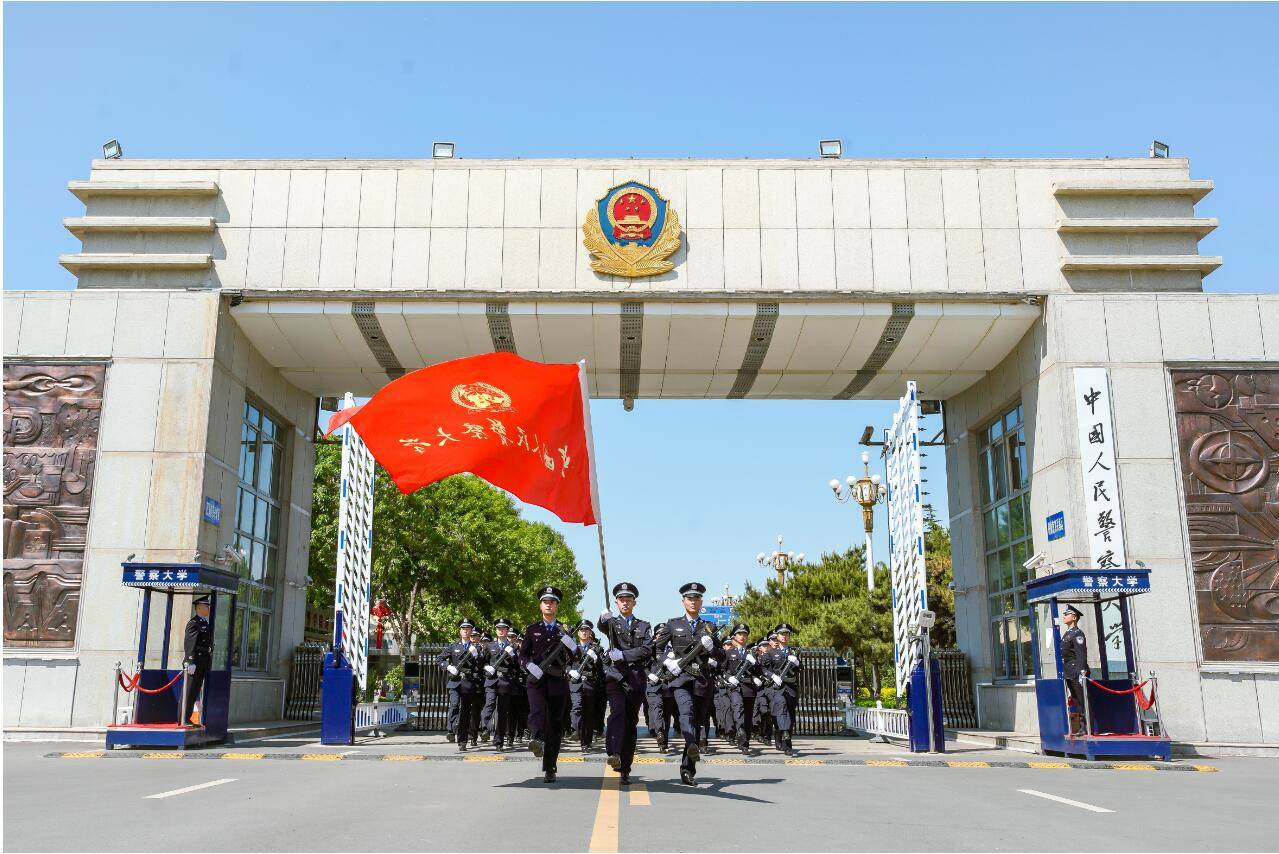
(687, 663)
(746, 664)
(582, 671)
(784, 672)
(501, 659)
(555, 656)
(465, 667)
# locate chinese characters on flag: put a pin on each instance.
(520, 425)
(1102, 514)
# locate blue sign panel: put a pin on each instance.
(1057, 525)
(720, 615)
(212, 511)
(178, 576)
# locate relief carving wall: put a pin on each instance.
(1228, 438)
(51, 419)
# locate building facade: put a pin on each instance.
(217, 301)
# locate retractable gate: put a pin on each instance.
(430, 681)
(820, 712)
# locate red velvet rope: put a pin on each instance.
(133, 683)
(1136, 689)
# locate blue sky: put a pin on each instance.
(690, 490)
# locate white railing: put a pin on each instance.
(380, 716)
(888, 723)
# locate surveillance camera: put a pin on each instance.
(628, 403)
(950, 585)
(1035, 560)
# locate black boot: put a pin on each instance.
(535, 745)
(786, 745)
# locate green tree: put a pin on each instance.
(455, 548)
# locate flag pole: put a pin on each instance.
(595, 492)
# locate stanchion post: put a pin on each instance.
(182, 706)
(115, 697)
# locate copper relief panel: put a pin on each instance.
(1228, 435)
(51, 419)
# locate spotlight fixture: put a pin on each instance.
(442, 150)
(1158, 149)
(832, 148)
(111, 150)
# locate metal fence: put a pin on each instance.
(957, 706)
(427, 682)
(303, 699)
(890, 723)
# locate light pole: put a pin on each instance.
(780, 561)
(866, 491)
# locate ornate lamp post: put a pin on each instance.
(866, 491)
(780, 561)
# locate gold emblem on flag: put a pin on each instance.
(631, 232)
(481, 397)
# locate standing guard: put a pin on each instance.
(628, 639)
(463, 661)
(586, 685)
(501, 684)
(685, 644)
(197, 654)
(1074, 663)
(545, 652)
(741, 669)
(781, 667)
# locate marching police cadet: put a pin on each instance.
(781, 667)
(722, 713)
(544, 653)
(742, 675)
(693, 642)
(624, 677)
(197, 653)
(657, 705)
(586, 685)
(1074, 664)
(501, 684)
(463, 661)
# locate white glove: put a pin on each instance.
(652, 677)
(732, 680)
(475, 652)
(707, 643)
(757, 681)
(534, 671)
(452, 668)
(750, 659)
(576, 674)
(777, 680)
(593, 655)
(672, 665)
(605, 616)
(190, 670)
(569, 642)
(792, 659)
(712, 663)
(490, 670)
(615, 654)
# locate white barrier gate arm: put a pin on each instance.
(354, 551)
(906, 528)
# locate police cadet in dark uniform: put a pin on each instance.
(197, 653)
(781, 667)
(657, 705)
(1074, 663)
(547, 648)
(463, 661)
(501, 684)
(624, 676)
(725, 725)
(741, 672)
(693, 640)
(586, 685)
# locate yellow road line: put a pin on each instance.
(84, 754)
(1132, 766)
(323, 757)
(804, 762)
(482, 758)
(1204, 768)
(887, 763)
(726, 761)
(639, 795)
(967, 764)
(404, 757)
(163, 754)
(243, 755)
(571, 759)
(607, 815)
(649, 760)
(1048, 764)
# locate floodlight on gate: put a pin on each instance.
(832, 148)
(111, 149)
(442, 150)
(1158, 149)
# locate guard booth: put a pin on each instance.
(155, 690)
(1121, 714)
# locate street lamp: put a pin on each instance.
(781, 561)
(866, 491)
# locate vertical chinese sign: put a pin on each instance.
(51, 418)
(1103, 517)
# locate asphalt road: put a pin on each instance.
(427, 800)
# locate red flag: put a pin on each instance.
(520, 425)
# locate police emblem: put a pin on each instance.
(481, 397)
(631, 232)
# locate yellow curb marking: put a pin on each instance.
(968, 764)
(1048, 764)
(165, 754)
(887, 763)
(607, 814)
(243, 755)
(487, 759)
(570, 759)
(805, 762)
(1132, 766)
(1204, 768)
(649, 760)
(323, 757)
(725, 761)
(403, 757)
(84, 754)
(639, 795)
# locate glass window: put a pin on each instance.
(257, 534)
(1005, 478)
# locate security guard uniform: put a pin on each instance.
(741, 672)
(545, 654)
(197, 656)
(586, 687)
(464, 661)
(501, 685)
(1074, 663)
(781, 667)
(624, 679)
